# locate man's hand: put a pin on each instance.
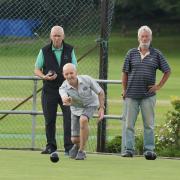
(66, 100)
(100, 114)
(154, 88)
(123, 94)
(51, 75)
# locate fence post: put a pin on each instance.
(103, 72)
(34, 115)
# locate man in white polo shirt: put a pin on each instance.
(84, 96)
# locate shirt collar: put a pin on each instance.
(79, 82)
(57, 49)
(143, 55)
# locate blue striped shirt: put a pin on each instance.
(142, 73)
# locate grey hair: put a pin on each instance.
(144, 28)
(59, 28)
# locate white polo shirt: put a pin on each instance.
(86, 94)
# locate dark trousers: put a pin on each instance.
(50, 101)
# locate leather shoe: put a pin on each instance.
(47, 151)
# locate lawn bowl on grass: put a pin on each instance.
(54, 157)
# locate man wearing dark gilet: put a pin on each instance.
(48, 66)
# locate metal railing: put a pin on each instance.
(34, 94)
(34, 111)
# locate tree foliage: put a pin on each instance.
(145, 10)
(169, 6)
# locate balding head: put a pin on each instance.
(69, 66)
(70, 74)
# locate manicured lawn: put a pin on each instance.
(31, 165)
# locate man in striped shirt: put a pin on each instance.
(139, 91)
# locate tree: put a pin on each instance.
(171, 7)
(128, 10)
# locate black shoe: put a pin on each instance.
(127, 154)
(150, 155)
(47, 151)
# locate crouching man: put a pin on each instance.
(84, 96)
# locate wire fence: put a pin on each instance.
(27, 132)
(24, 29)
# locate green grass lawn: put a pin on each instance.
(31, 165)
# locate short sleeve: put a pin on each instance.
(62, 89)
(94, 85)
(126, 66)
(40, 60)
(163, 64)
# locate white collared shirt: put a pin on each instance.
(143, 55)
(86, 94)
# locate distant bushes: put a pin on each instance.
(168, 136)
(114, 146)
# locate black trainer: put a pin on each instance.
(47, 151)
